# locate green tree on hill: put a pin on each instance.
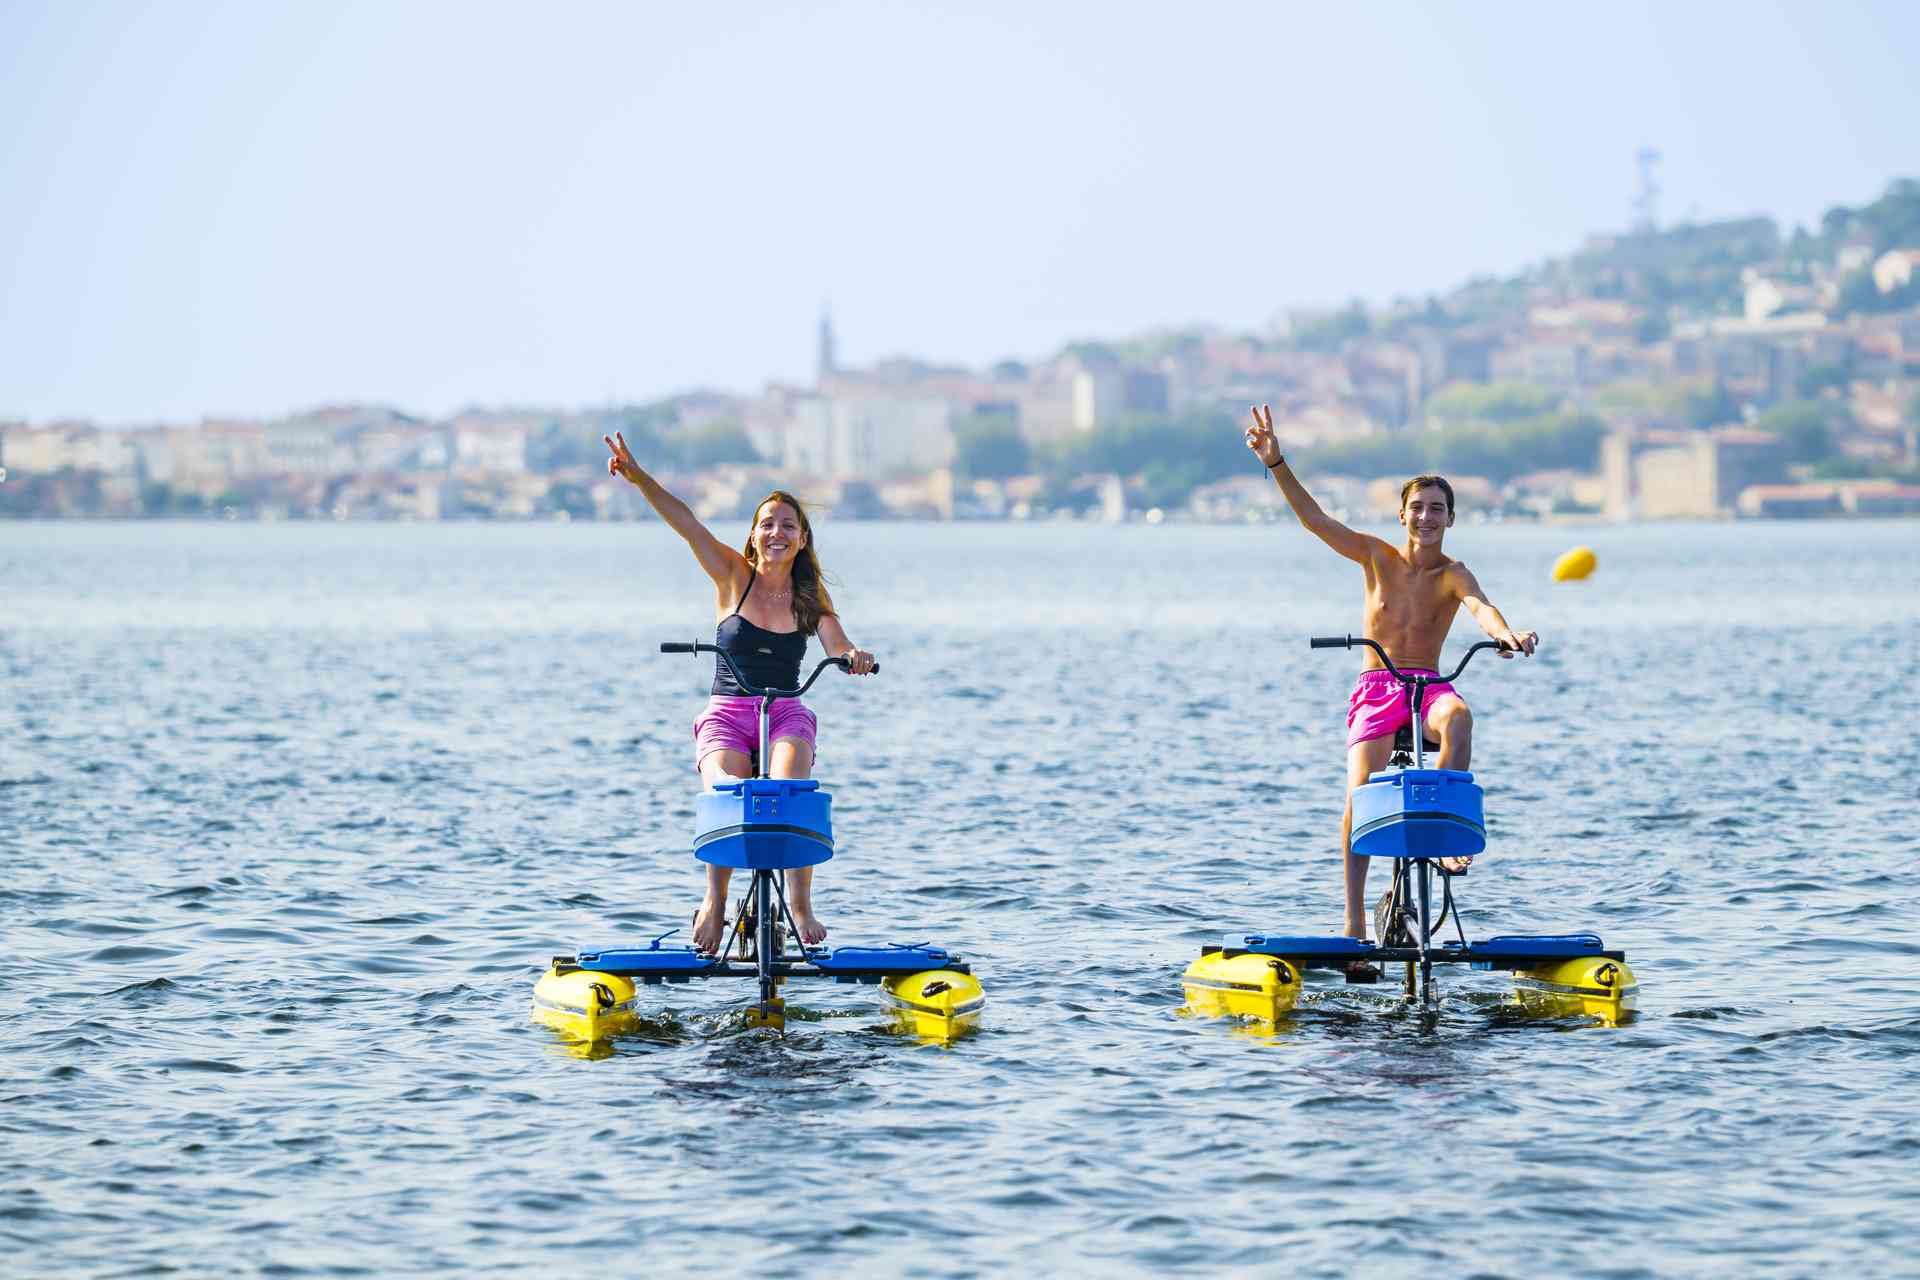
(714, 443)
(1819, 377)
(989, 446)
(1128, 445)
(1805, 427)
(1499, 451)
(1332, 331)
(1494, 402)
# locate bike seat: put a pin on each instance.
(1403, 740)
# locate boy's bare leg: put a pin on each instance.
(1364, 759)
(710, 922)
(1453, 722)
(793, 758)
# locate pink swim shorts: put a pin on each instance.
(733, 724)
(1379, 704)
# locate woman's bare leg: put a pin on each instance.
(793, 758)
(710, 925)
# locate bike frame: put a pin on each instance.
(766, 891)
(1416, 686)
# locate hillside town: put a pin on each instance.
(1717, 370)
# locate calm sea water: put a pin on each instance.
(292, 817)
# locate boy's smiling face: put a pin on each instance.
(1426, 515)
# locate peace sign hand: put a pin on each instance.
(1260, 437)
(621, 463)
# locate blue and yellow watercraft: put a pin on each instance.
(1420, 818)
(765, 826)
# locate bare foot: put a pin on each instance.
(1455, 866)
(811, 930)
(709, 926)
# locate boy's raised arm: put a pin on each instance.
(1491, 620)
(1348, 542)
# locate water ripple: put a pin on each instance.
(282, 867)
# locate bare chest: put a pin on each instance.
(1402, 598)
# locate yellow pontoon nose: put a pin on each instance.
(938, 1004)
(585, 1005)
(1594, 985)
(1242, 985)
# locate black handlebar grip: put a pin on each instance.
(675, 646)
(1330, 642)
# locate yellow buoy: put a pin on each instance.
(1574, 565)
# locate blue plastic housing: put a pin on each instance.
(1541, 945)
(771, 823)
(634, 962)
(1419, 813)
(1273, 944)
(884, 959)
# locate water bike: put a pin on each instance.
(1420, 818)
(767, 826)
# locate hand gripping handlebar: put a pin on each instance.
(754, 691)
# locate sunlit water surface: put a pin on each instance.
(292, 817)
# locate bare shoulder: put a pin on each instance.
(1459, 578)
(730, 587)
(1378, 549)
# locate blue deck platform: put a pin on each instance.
(1336, 951)
(657, 963)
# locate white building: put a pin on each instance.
(868, 436)
(68, 446)
(1894, 268)
(490, 446)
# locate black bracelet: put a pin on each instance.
(1276, 462)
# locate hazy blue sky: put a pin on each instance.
(251, 207)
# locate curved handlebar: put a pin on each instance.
(754, 691)
(1347, 642)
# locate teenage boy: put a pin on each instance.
(1414, 590)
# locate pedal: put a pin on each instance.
(743, 931)
(1362, 974)
(1390, 922)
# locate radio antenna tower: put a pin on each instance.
(1646, 200)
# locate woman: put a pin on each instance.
(768, 598)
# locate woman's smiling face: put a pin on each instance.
(777, 535)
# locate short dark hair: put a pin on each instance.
(1421, 482)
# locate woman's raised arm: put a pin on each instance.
(722, 563)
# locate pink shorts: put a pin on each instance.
(1379, 704)
(733, 724)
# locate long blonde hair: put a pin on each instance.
(810, 599)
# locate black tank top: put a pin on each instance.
(769, 659)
